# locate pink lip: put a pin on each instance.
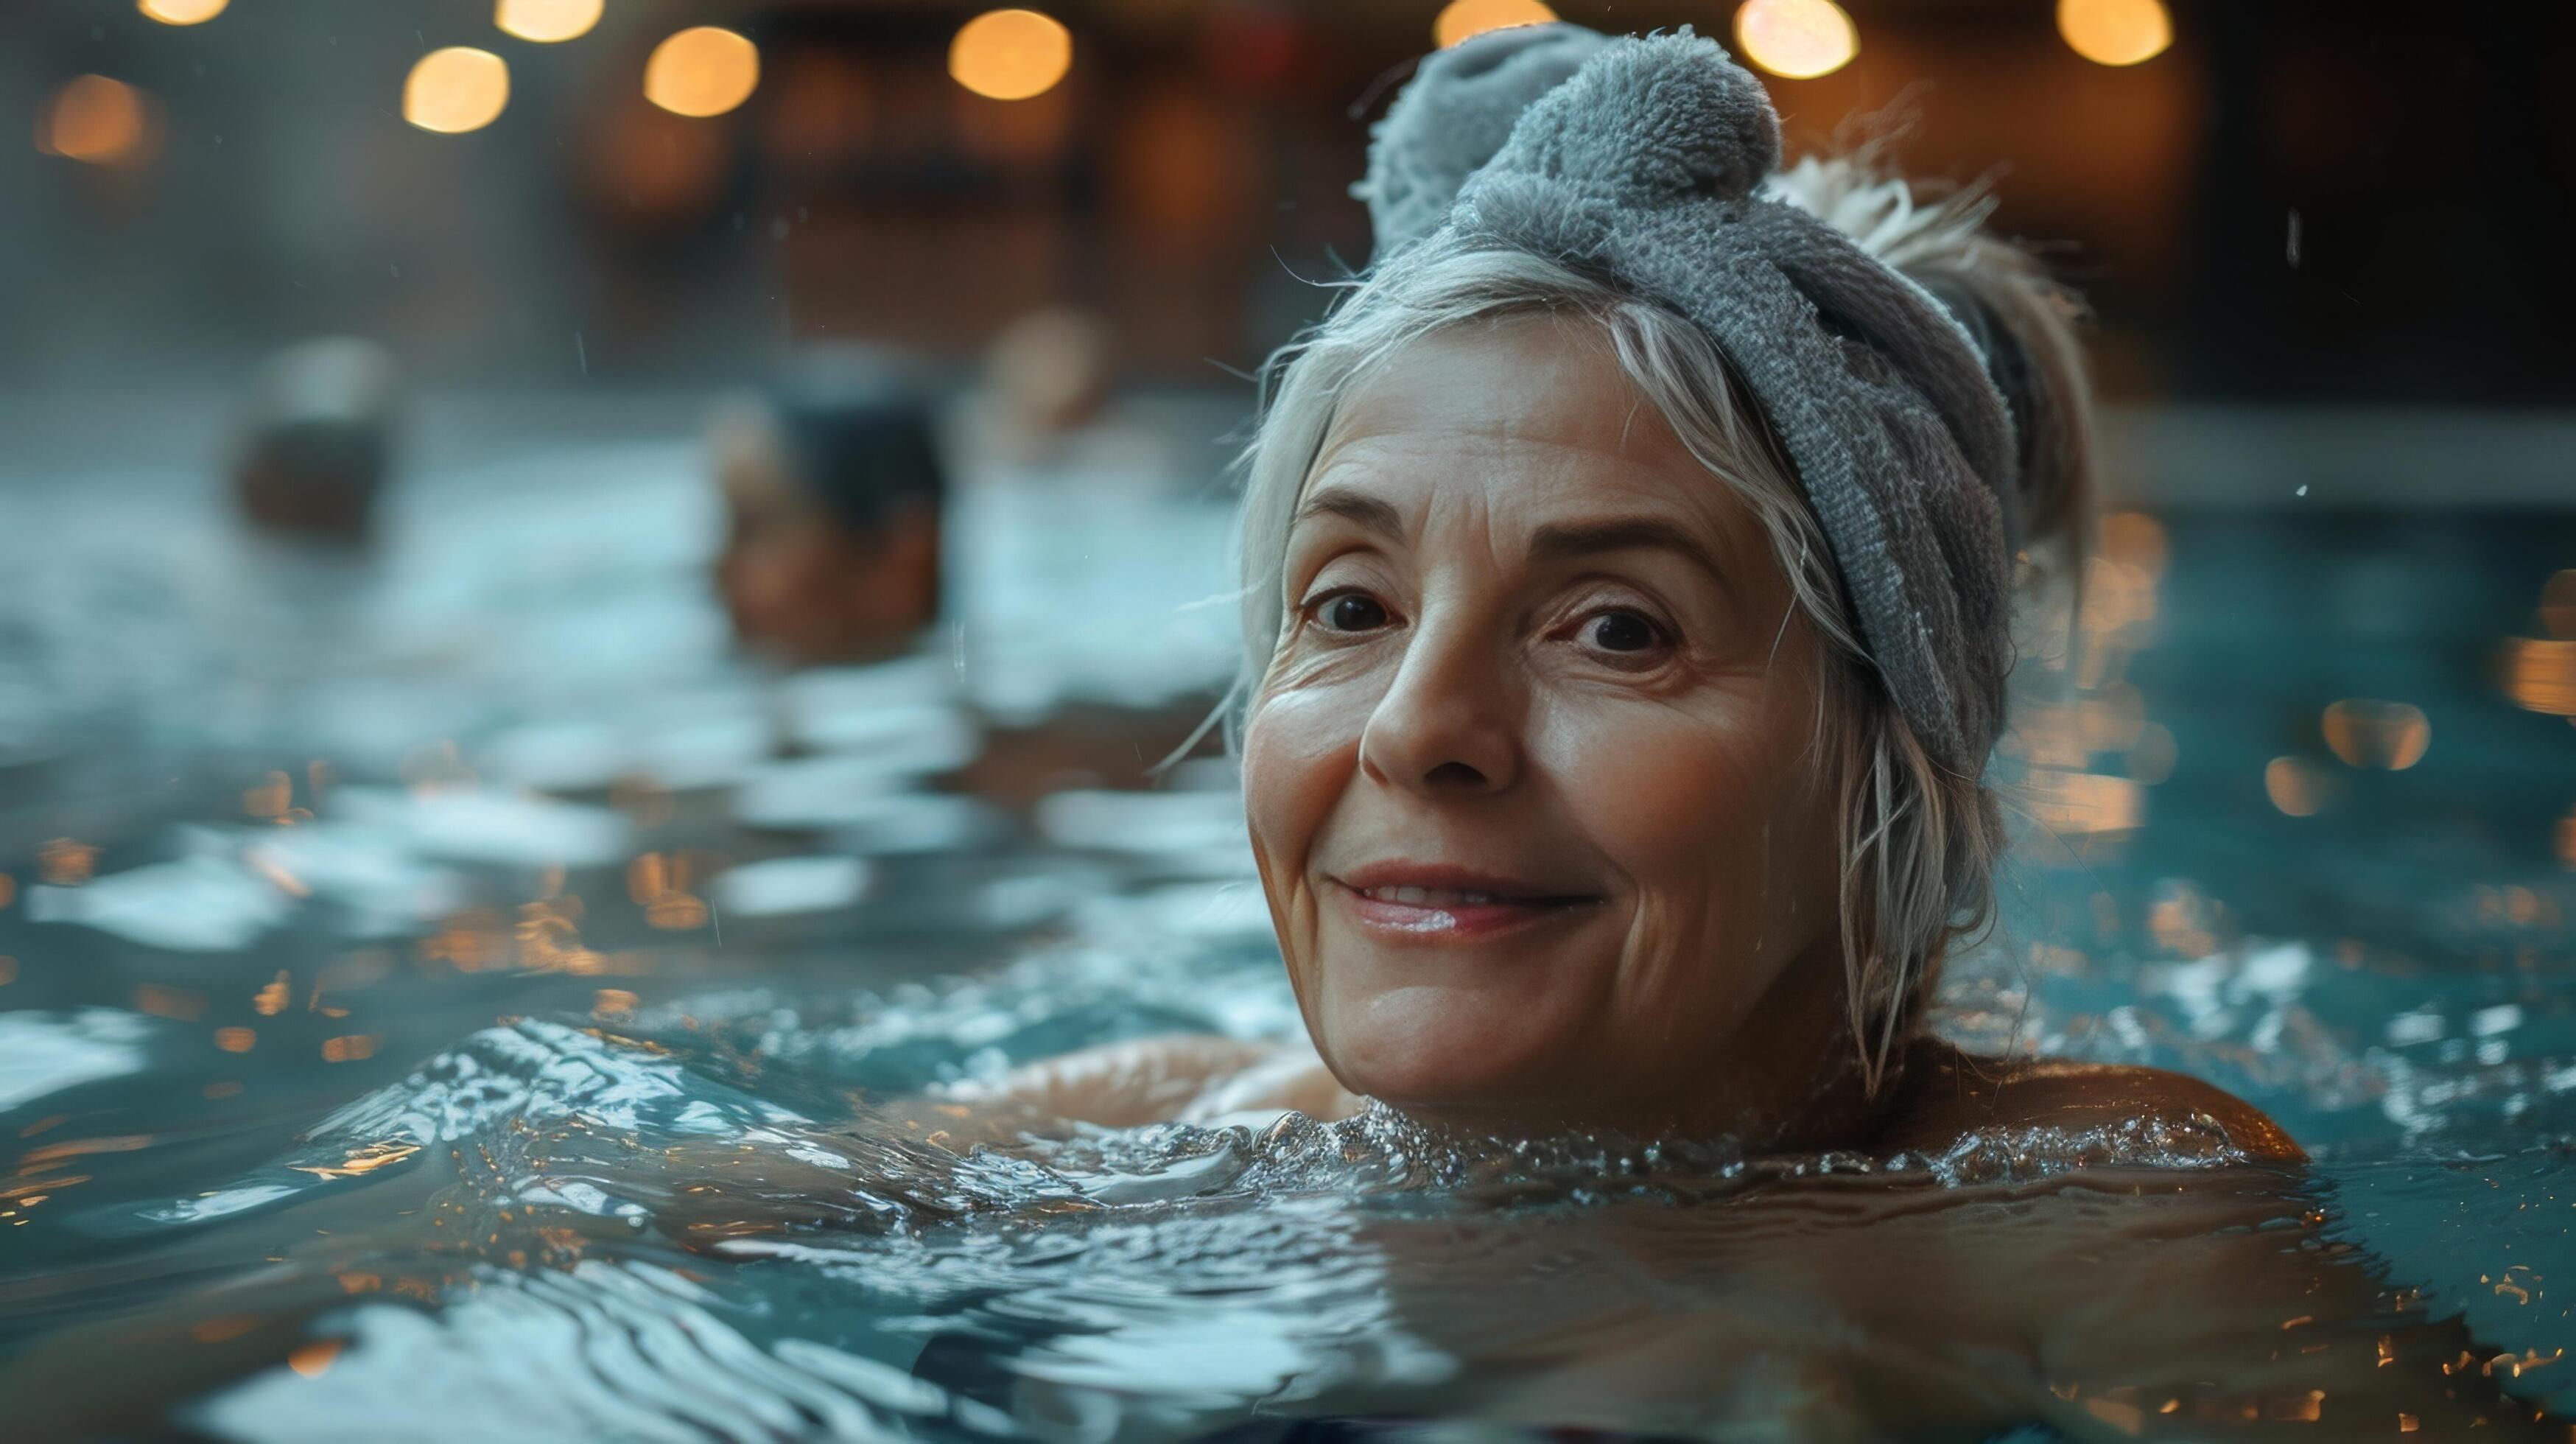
(1515, 903)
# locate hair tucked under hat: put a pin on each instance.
(1898, 395)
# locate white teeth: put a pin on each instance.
(1430, 896)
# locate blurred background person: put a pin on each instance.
(320, 440)
(833, 483)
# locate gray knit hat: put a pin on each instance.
(1640, 160)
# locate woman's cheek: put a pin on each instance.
(1299, 749)
(1656, 788)
(1298, 756)
(1697, 808)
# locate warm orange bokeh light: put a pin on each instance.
(66, 862)
(547, 21)
(350, 1048)
(2075, 804)
(2115, 32)
(95, 119)
(1796, 39)
(2295, 787)
(2391, 735)
(181, 12)
(1010, 54)
(2540, 674)
(2135, 538)
(702, 71)
(2558, 604)
(455, 90)
(1460, 19)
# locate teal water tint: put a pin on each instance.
(516, 1146)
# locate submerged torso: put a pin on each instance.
(1937, 1098)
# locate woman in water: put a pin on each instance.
(1628, 564)
(1629, 561)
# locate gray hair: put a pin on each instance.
(1918, 842)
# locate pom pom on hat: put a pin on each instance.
(1650, 121)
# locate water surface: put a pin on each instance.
(476, 1007)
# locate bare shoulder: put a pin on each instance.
(1948, 1093)
(1292, 1079)
(1123, 1084)
(1189, 1077)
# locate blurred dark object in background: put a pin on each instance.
(320, 440)
(833, 486)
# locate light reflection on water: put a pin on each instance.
(558, 1072)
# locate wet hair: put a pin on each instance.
(1918, 842)
(861, 438)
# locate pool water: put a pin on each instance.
(433, 1023)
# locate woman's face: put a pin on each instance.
(1534, 776)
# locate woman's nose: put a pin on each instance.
(1448, 723)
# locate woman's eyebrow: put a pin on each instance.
(1367, 512)
(1567, 541)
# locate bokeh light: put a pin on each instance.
(547, 21)
(1010, 54)
(702, 71)
(2295, 786)
(2137, 539)
(1796, 39)
(2115, 32)
(2152, 760)
(2558, 604)
(1460, 19)
(181, 12)
(98, 120)
(2363, 733)
(2082, 804)
(455, 90)
(67, 862)
(2540, 674)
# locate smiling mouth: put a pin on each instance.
(1451, 913)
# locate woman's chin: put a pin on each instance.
(1440, 1061)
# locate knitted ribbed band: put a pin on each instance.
(1639, 160)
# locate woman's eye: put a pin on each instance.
(1351, 612)
(1621, 632)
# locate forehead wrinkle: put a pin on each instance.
(1353, 505)
(1550, 417)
